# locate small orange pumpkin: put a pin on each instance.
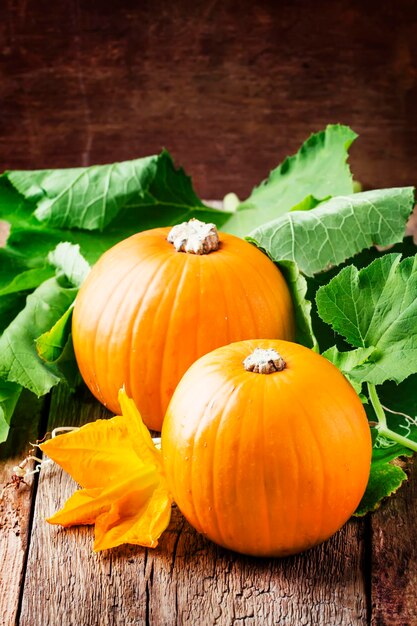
(157, 301)
(270, 458)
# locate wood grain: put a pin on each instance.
(394, 559)
(187, 580)
(228, 87)
(15, 507)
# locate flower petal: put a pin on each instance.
(143, 526)
(139, 434)
(97, 454)
(83, 507)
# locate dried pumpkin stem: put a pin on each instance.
(264, 362)
(194, 237)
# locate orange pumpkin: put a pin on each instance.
(269, 460)
(151, 306)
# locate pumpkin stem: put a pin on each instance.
(194, 237)
(264, 362)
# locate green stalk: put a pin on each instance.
(382, 422)
(380, 413)
(403, 441)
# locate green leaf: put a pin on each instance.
(318, 171)
(347, 362)
(144, 193)
(376, 306)
(11, 265)
(50, 305)
(10, 306)
(325, 336)
(20, 273)
(67, 365)
(51, 344)
(91, 198)
(386, 477)
(67, 258)
(17, 286)
(56, 349)
(18, 276)
(13, 207)
(324, 237)
(338, 229)
(27, 280)
(9, 395)
(302, 306)
(37, 242)
(19, 361)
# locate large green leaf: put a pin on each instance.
(43, 327)
(326, 337)
(92, 197)
(19, 361)
(316, 172)
(47, 207)
(338, 229)
(376, 306)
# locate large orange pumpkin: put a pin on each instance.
(268, 459)
(150, 307)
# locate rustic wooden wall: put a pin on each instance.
(229, 87)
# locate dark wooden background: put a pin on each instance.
(229, 88)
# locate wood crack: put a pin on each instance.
(42, 429)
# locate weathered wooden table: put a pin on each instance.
(367, 573)
(230, 88)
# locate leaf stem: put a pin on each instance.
(403, 441)
(382, 426)
(380, 413)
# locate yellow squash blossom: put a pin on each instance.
(124, 492)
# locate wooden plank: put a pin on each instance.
(187, 580)
(394, 558)
(15, 507)
(209, 585)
